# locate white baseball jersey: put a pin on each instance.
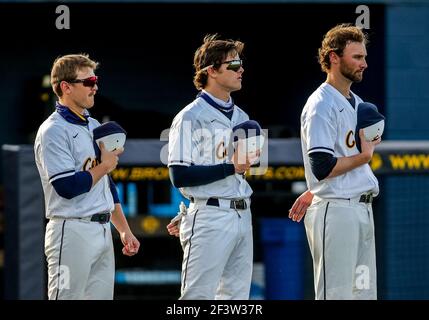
(61, 149)
(200, 135)
(328, 124)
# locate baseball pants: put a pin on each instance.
(340, 234)
(217, 253)
(80, 258)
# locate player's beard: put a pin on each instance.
(89, 103)
(86, 103)
(353, 76)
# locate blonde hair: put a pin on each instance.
(66, 68)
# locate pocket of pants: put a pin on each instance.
(186, 226)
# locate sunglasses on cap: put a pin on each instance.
(234, 65)
(88, 82)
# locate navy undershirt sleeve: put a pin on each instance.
(182, 176)
(73, 186)
(322, 164)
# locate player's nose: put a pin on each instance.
(364, 64)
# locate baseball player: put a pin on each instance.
(80, 197)
(216, 229)
(341, 186)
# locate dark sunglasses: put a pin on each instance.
(234, 65)
(88, 82)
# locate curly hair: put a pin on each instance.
(66, 68)
(212, 52)
(336, 39)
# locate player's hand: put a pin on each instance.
(241, 161)
(300, 206)
(109, 158)
(131, 244)
(173, 228)
(367, 147)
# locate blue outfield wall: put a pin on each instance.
(407, 72)
(404, 256)
(405, 249)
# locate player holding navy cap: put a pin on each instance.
(80, 197)
(339, 222)
(216, 230)
(370, 120)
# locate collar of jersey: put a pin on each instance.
(339, 95)
(217, 103)
(71, 116)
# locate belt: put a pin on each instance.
(239, 204)
(103, 217)
(366, 198)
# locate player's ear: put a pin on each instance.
(65, 87)
(333, 57)
(211, 72)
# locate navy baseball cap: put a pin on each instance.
(249, 128)
(111, 134)
(250, 135)
(369, 119)
(107, 128)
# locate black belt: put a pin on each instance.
(101, 217)
(239, 204)
(366, 198)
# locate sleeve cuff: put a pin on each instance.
(179, 163)
(321, 149)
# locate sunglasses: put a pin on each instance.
(234, 65)
(88, 82)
